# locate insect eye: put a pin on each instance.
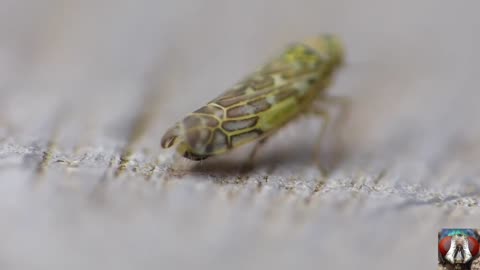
(473, 246)
(168, 140)
(444, 245)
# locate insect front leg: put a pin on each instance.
(251, 158)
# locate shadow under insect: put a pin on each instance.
(273, 155)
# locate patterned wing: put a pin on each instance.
(253, 108)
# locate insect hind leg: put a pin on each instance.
(320, 109)
(321, 113)
(344, 103)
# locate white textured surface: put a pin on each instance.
(84, 83)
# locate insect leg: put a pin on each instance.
(344, 103)
(317, 147)
(320, 108)
(251, 158)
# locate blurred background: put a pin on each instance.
(88, 88)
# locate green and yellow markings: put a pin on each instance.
(258, 106)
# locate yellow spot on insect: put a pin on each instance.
(249, 91)
(299, 54)
(271, 100)
(278, 79)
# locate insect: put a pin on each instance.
(259, 105)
